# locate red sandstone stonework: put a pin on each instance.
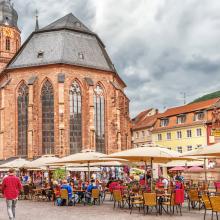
(117, 121)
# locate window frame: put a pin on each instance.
(48, 116)
(169, 135)
(179, 134)
(22, 120)
(75, 118)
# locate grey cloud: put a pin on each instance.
(160, 48)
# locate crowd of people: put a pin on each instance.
(80, 190)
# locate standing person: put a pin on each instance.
(11, 187)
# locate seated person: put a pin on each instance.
(56, 189)
(91, 186)
(69, 189)
(89, 189)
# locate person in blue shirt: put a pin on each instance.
(89, 189)
(69, 189)
(91, 186)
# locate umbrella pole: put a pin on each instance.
(89, 171)
(205, 169)
(151, 164)
(145, 178)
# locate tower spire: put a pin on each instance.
(37, 23)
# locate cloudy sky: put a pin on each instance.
(161, 48)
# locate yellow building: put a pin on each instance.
(185, 128)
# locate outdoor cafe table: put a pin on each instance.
(82, 192)
(39, 192)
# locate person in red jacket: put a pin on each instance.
(11, 187)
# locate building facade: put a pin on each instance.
(187, 127)
(60, 94)
(142, 126)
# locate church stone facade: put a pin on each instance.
(59, 93)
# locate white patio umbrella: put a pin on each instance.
(16, 164)
(41, 163)
(205, 152)
(149, 154)
(83, 169)
(86, 157)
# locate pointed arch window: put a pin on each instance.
(99, 119)
(22, 103)
(75, 118)
(47, 101)
(8, 43)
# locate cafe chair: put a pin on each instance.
(170, 204)
(215, 203)
(150, 200)
(64, 195)
(96, 196)
(194, 199)
(118, 198)
(136, 201)
(206, 203)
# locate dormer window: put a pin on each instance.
(6, 21)
(40, 54)
(78, 24)
(164, 122)
(198, 116)
(7, 44)
(81, 55)
(181, 119)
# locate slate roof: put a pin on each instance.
(70, 22)
(65, 41)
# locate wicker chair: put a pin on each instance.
(206, 203)
(193, 198)
(215, 203)
(170, 204)
(136, 201)
(64, 195)
(118, 198)
(150, 200)
(96, 196)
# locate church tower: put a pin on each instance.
(10, 38)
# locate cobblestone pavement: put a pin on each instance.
(28, 210)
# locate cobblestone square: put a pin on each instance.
(29, 210)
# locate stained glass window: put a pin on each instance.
(22, 103)
(47, 100)
(75, 118)
(99, 109)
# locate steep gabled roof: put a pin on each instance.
(65, 41)
(144, 120)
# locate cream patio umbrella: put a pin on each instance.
(86, 157)
(149, 154)
(16, 164)
(41, 163)
(205, 152)
(185, 163)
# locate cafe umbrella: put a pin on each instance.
(205, 152)
(86, 157)
(152, 154)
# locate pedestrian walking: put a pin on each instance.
(11, 187)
